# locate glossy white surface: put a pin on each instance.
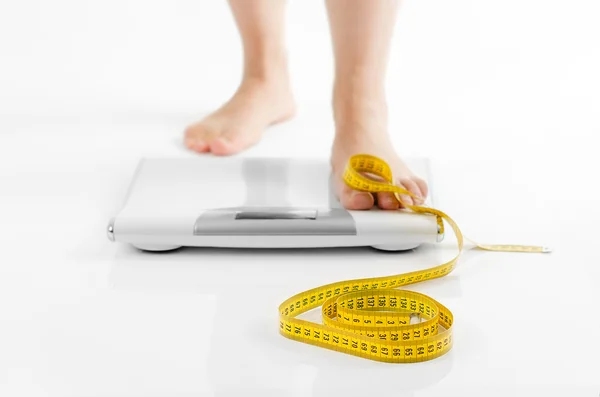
(502, 96)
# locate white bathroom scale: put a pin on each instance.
(245, 202)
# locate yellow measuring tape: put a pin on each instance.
(370, 317)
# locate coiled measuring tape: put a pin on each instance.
(370, 317)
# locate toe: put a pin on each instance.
(196, 139)
(413, 188)
(422, 186)
(355, 200)
(223, 147)
(234, 141)
(198, 146)
(387, 201)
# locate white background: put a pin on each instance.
(503, 96)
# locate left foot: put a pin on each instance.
(361, 128)
(240, 123)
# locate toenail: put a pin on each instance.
(406, 200)
(389, 202)
(360, 198)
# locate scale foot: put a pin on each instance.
(156, 247)
(395, 247)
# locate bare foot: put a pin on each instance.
(240, 123)
(361, 128)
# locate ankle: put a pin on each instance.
(359, 104)
(273, 92)
(266, 67)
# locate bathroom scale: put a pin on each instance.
(246, 202)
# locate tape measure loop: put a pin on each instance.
(371, 318)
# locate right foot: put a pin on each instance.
(240, 123)
(361, 128)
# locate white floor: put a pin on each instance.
(502, 96)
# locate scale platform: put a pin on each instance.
(245, 202)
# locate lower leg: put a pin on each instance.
(264, 96)
(361, 36)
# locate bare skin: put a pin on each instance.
(264, 96)
(361, 37)
(240, 123)
(361, 128)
